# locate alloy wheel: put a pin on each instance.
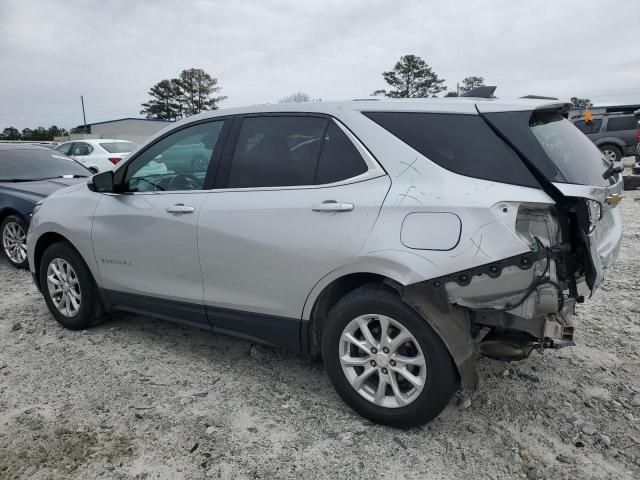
(609, 155)
(14, 242)
(382, 361)
(64, 287)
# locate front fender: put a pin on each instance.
(69, 216)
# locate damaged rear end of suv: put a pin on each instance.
(508, 217)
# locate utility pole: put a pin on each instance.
(458, 89)
(84, 117)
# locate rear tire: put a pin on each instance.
(429, 377)
(611, 152)
(68, 288)
(13, 235)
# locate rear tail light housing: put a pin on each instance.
(638, 135)
(115, 160)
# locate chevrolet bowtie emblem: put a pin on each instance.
(614, 199)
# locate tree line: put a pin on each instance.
(39, 134)
(194, 91)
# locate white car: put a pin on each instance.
(399, 239)
(98, 154)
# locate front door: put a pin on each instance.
(299, 202)
(145, 238)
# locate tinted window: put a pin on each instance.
(118, 147)
(574, 155)
(589, 127)
(64, 148)
(463, 144)
(622, 123)
(37, 164)
(81, 149)
(339, 159)
(276, 151)
(177, 162)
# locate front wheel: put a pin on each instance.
(14, 240)
(385, 361)
(68, 287)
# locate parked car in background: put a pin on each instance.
(616, 135)
(98, 154)
(29, 173)
(397, 238)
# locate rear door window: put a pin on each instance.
(64, 148)
(463, 144)
(615, 124)
(81, 148)
(277, 151)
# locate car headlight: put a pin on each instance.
(595, 214)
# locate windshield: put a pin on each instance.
(118, 147)
(579, 160)
(36, 164)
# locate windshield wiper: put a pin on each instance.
(16, 180)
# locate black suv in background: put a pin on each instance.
(616, 135)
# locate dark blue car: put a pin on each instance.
(29, 173)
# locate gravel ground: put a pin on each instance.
(139, 398)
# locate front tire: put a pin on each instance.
(385, 361)
(14, 240)
(68, 288)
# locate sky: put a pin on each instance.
(113, 51)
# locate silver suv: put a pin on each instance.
(396, 239)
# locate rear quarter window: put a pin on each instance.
(339, 158)
(463, 144)
(615, 124)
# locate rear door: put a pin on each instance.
(297, 198)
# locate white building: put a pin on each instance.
(133, 129)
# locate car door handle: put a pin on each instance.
(180, 208)
(332, 206)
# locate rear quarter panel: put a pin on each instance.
(487, 212)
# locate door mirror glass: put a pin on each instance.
(102, 182)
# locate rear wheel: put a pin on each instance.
(385, 361)
(611, 153)
(14, 240)
(68, 288)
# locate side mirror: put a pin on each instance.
(102, 182)
(612, 170)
